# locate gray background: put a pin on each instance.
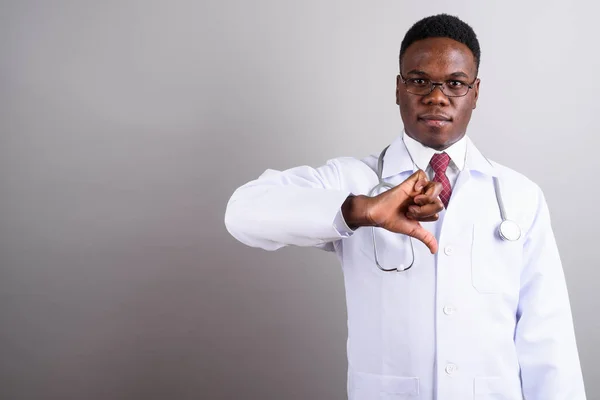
(126, 125)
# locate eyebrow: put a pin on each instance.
(416, 72)
(459, 74)
(423, 73)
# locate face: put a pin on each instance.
(436, 120)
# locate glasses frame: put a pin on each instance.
(434, 84)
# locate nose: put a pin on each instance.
(436, 97)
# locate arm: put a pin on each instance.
(305, 206)
(545, 337)
(301, 206)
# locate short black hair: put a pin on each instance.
(442, 25)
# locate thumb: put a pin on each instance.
(424, 236)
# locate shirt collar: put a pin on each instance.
(421, 154)
(398, 157)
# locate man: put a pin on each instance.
(488, 317)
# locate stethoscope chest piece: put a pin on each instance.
(509, 230)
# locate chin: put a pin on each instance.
(438, 145)
(434, 138)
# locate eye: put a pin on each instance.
(455, 84)
(418, 82)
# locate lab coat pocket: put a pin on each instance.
(384, 387)
(495, 262)
(493, 388)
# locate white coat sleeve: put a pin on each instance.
(300, 206)
(545, 337)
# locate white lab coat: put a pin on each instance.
(482, 319)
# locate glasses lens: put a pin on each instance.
(455, 88)
(420, 87)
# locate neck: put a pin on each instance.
(437, 147)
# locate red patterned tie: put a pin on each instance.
(439, 163)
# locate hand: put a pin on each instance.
(400, 209)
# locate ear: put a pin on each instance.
(476, 91)
(398, 88)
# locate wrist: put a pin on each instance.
(355, 211)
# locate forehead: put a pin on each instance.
(439, 56)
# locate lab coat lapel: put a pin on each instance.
(397, 159)
(478, 162)
(464, 202)
(475, 163)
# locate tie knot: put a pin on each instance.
(439, 162)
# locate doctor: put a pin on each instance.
(442, 304)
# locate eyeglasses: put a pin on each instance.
(423, 87)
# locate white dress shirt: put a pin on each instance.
(421, 156)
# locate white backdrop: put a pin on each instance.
(126, 125)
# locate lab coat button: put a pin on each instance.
(449, 310)
(451, 369)
(449, 250)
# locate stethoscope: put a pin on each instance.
(508, 229)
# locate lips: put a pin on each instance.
(435, 121)
(435, 117)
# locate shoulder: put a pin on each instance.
(353, 165)
(357, 175)
(511, 181)
(514, 179)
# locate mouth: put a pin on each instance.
(435, 120)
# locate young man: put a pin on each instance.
(487, 316)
